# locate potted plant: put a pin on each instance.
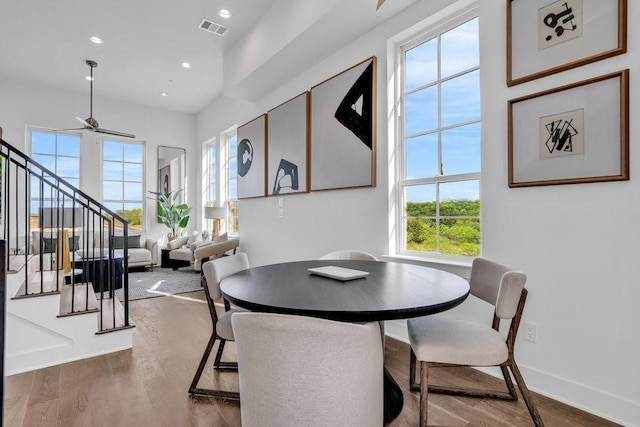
(171, 212)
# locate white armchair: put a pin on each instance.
(214, 249)
(193, 250)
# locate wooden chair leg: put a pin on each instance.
(413, 385)
(508, 382)
(424, 394)
(526, 395)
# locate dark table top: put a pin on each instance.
(390, 291)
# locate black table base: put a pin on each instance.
(393, 398)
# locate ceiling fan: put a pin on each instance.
(91, 123)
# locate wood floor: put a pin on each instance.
(147, 386)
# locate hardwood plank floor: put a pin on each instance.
(147, 386)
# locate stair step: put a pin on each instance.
(17, 263)
(112, 315)
(41, 283)
(78, 299)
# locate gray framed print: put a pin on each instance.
(288, 147)
(549, 36)
(343, 125)
(572, 134)
(252, 158)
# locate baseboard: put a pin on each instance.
(596, 402)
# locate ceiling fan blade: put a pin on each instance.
(84, 123)
(379, 4)
(114, 132)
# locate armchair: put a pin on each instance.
(214, 249)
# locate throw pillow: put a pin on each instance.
(177, 242)
(133, 241)
(50, 244)
(74, 243)
(221, 238)
(118, 242)
(193, 238)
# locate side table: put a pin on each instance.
(166, 262)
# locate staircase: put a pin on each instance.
(62, 269)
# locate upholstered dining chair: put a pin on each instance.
(303, 371)
(349, 254)
(214, 271)
(442, 341)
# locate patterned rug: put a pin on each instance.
(160, 282)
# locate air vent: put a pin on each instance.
(212, 27)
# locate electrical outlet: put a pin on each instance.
(530, 331)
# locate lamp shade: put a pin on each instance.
(215, 212)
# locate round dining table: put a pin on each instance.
(389, 291)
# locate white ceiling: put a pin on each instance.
(145, 42)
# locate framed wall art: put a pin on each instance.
(343, 125)
(572, 134)
(288, 147)
(549, 36)
(252, 158)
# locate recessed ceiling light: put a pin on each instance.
(96, 40)
(224, 13)
(186, 65)
(164, 94)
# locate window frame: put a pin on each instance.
(230, 202)
(431, 30)
(48, 201)
(124, 201)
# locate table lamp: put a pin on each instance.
(215, 213)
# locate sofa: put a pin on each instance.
(194, 250)
(143, 252)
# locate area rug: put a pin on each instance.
(160, 282)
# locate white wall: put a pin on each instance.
(26, 104)
(577, 243)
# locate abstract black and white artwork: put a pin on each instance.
(343, 142)
(571, 134)
(288, 147)
(252, 158)
(545, 37)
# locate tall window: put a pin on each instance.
(439, 179)
(122, 180)
(60, 153)
(232, 179)
(212, 173)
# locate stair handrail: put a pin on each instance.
(75, 196)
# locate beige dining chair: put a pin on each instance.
(442, 341)
(213, 273)
(303, 371)
(349, 254)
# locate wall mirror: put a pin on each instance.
(171, 169)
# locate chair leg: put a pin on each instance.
(508, 382)
(412, 372)
(218, 364)
(424, 394)
(526, 395)
(194, 390)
